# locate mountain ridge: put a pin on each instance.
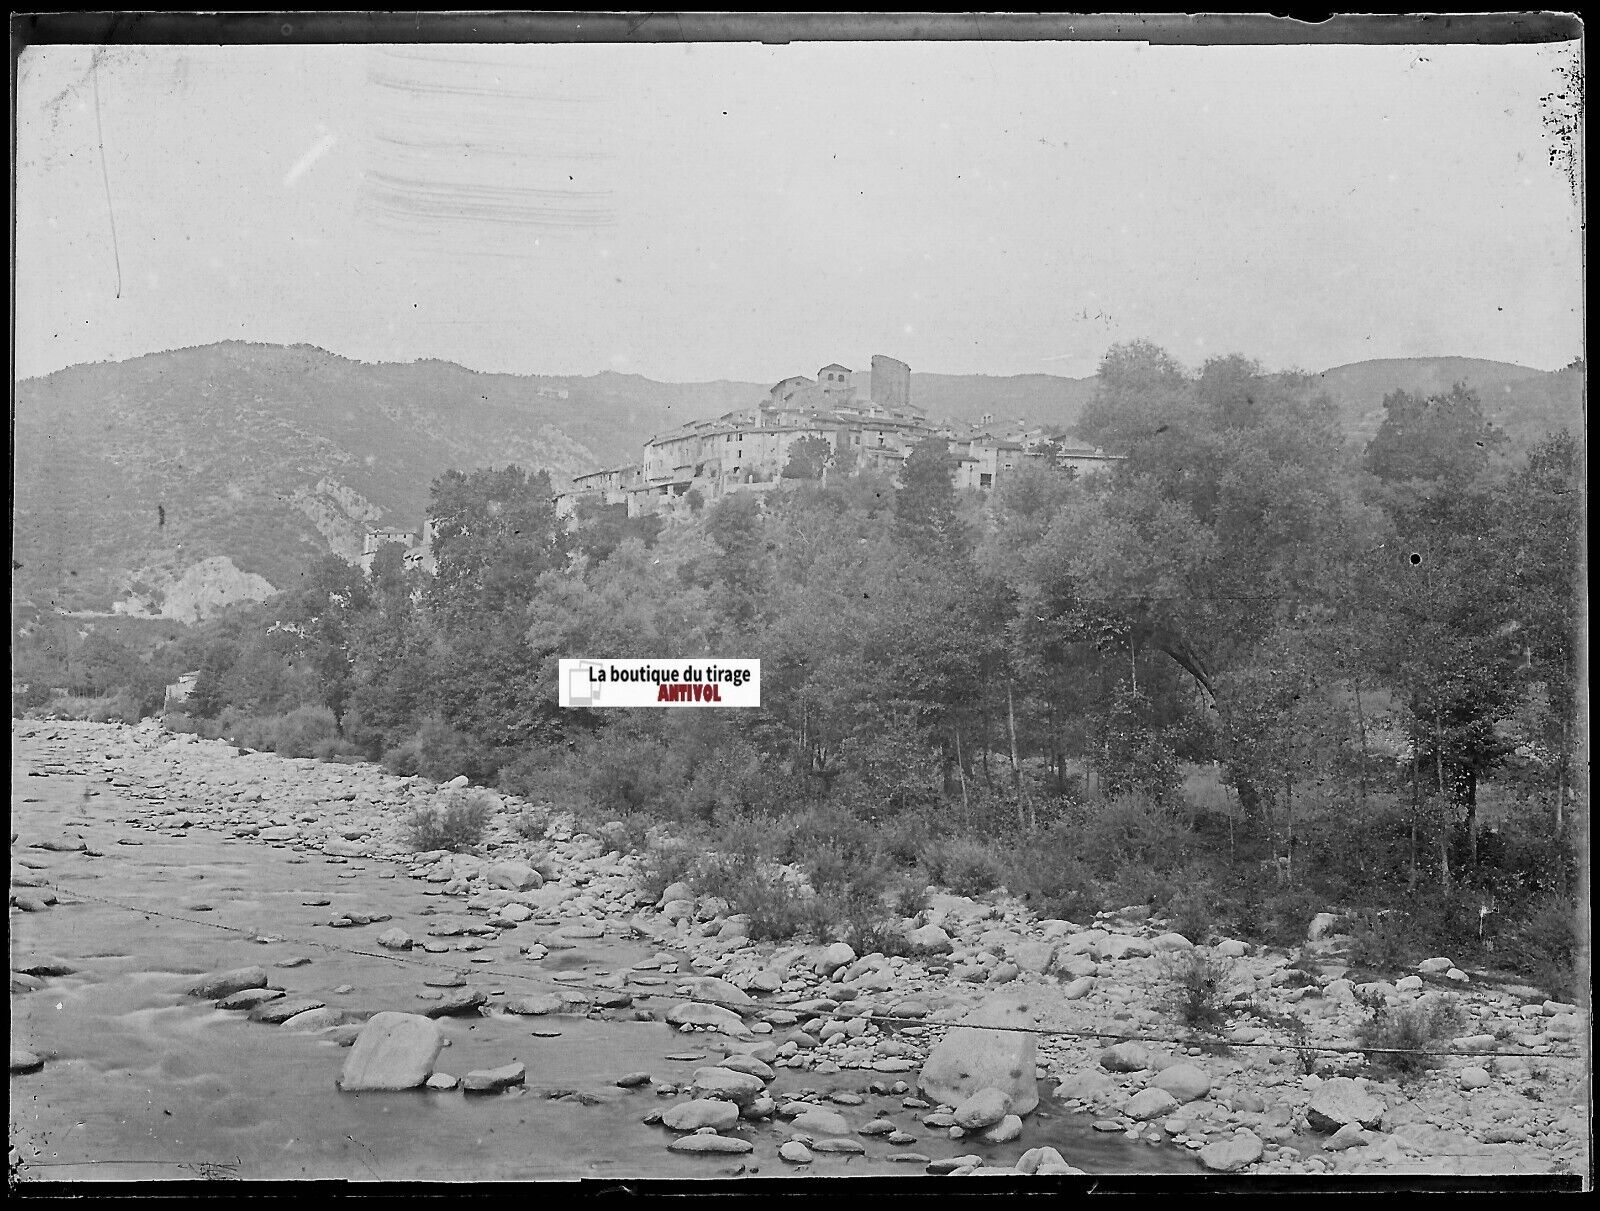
(129, 474)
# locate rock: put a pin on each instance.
(395, 939)
(982, 1109)
(316, 1019)
(714, 1016)
(1034, 1158)
(633, 1080)
(1078, 989)
(1342, 1100)
(43, 966)
(929, 940)
(1232, 948)
(795, 1153)
(747, 1063)
(24, 1061)
(835, 957)
(1186, 1082)
(536, 1004)
(1170, 942)
(1348, 1136)
(1321, 926)
(214, 988)
(1550, 1008)
(1473, 1078)
(1408, 984)
(513, 876)
(1227, 1156)
(1083, 1086)
(1003, 1132)
(248, 998)
(1035, 956)
(1125, 1057)
(1434, 966)
(709, 1143)
(1121, 946)
(838, 1145)
(821, 1122)
(969, 1059)
(493, 1080)
(701, 1112)
(279, 1011)
(466, 1001)
(393, 1051)
(740, 1088)
(1150, 1103)
(441, 1080)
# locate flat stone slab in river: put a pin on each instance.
(493, 1080)
(710, 1143)
(393, 1051)
(277, 1012)
(248, 998)
(215, 987)
(461, 1002)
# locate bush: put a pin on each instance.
(298, 733)
(1197, 989)
(535, 777)
(665, 864)
(1546, 943)
(457, 822)
(121, 707)
(438, 751)
(1408, 1028)
(965, 866)
(1192, 912)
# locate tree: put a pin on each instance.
(807, 458)
(495, 533)
(925, 507)
(735, 526)
(1443, 438)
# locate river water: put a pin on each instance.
(142, 1081)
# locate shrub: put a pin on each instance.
(1547, 942)
(965, 866)
(1191, 912)
(1407, 1028)
(531, 824)
(298, 733)
(665, 864)
(1377, 939)
(337, 748)
(438, 751)
(534, 776)
(1197, 988)
(121, 707)
(457, 822)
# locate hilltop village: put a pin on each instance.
(748, 449)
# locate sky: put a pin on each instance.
(723, 210)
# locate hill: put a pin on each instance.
(179, 481)
(1526, 403)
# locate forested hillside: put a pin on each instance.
(1257, 671)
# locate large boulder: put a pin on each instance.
(1186, 1082)
(740, 1088)
(929, 940)
(1125, 1057)
(1343, 1100)
(393, 1051)
(715, 1017)
(1225, 1156)
(1149, 1103)
(514, 876)
(701, 1112)
(969, 1058)
(984, 1108)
